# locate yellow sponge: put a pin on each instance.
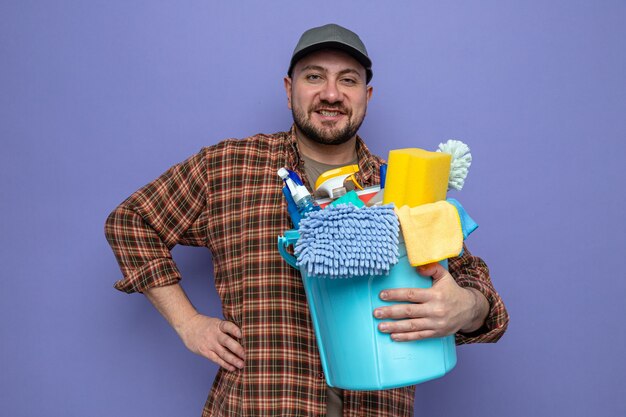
(415, 177)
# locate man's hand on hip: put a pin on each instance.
(207, 336)
(214, 339)
(444, 309)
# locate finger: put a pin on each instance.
(230, 328)
(408, 337)
(214, 357)
(427, 270)
(434, 270)
(401, 311)
(232, 345)
(229, 357)
(414, 295)
(405, 326)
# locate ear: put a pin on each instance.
(287, 82)
(370, 90)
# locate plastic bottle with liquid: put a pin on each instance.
(303, 200)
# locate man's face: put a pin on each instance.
(328, 96)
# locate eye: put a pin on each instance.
(349, 81)
(313, 77)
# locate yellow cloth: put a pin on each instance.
(432, 232)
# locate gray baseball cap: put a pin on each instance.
(332, 36)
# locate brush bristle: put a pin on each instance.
(461, 161)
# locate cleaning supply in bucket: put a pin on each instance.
(468, 225)
(365, 195)
(355, 354)
(377, 199)
(345, 241)
(331, 182)
(461, 161)
(432, 232)
(291, 207)
(302, 198)
(350, 197)
(416, 176)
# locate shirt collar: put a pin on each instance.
(367, 161)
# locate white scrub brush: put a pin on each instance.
(461, 161)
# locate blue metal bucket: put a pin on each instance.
(355, 355)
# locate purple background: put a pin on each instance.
(99, 97)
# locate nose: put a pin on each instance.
(330, 93)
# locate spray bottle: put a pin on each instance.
(301, 197)
(331, 182)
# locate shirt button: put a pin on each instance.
(320, 375)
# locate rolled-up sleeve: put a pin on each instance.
(471, 272)
(147, 225)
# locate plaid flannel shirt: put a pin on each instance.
(228, 198)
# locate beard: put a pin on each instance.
(326, 135)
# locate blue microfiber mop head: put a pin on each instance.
(345, 241)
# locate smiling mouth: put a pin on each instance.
(330, 112)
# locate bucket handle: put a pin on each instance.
(290, 238)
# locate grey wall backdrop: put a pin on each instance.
(99, 97)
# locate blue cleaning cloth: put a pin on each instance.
(468, 225)
(350, 198)
(345, 241)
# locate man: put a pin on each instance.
(228, 198)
